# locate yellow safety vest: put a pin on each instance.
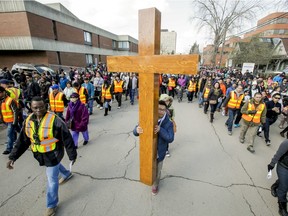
(206, 93)
(118, 86)
(192, 86)
(106, 92)
(46, 142)
(82, 96)
(235, 102)
(56, 102)
(254, 117)
(14, 93)
(172, 83)
(6, 110)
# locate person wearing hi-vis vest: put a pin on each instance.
(233, 101)
(82, 91)
(46, 135)
(57, 101)
(118, 88)
(9, 115)
(172, 85)
(253, 115)
(106, 96)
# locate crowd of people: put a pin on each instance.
(256, 100)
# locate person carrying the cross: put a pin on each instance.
(253, 114)
(164, 130)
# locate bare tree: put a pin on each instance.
(221, 16)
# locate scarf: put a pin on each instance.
(73, 107)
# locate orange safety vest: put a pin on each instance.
(192, 86)
(56, 102)
(45, 142)
(254, 117)
(172, 83)
(234, 102)
(82, 96)
(206, 93)
(118, 86)
(7, 112)
(106, 92)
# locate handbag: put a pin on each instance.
(213, 101)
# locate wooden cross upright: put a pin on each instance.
(149, 64)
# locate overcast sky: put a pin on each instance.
(121, 17)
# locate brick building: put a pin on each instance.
(31, 32)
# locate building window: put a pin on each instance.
(89, 59)
(123, 45)
(59, 58)
(54, 30)
(87, 38)
(114, 44)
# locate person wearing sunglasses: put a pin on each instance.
(273, 111)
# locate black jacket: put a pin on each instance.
(61, 132)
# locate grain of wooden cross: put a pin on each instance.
(149, 64)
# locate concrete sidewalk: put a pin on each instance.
(208, 173)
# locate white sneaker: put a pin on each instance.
(98, 105)
(101, 108)
(118, 107)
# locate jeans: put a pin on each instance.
(282, 173)
(231, 113)
(75, 135)
(266, 128)
(53, 184)
(200, 99)
(11, 136)
(132, 94)
(90, 105)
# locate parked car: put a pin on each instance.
(31, 67)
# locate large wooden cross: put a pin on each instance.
(149, 64)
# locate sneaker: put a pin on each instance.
(98, 106)
(85, 142)
(268, 142)
(168, 154)
(118, 107)
(259, 134)
(230, 133)
(282, 134)
(154, 190)
(241, 140)
(281, 126)
(51, 211)
(251, 149)
(223, 113)
(6, 152)
(236, 125)
(62, 180)
(101, 108)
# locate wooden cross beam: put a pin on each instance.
(149, 64)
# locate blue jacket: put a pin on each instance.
(165, 136)
(90, 89)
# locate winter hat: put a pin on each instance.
(55, 86)
(74, 95)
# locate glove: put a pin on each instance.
(270, 167)
(252, 112)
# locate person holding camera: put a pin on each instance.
(253, 114)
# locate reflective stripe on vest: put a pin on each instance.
(235, 102)
(206, 93)
(81, 93)
(106, 92)
(14, 93)
(45, 133)
(251, 117)
(172, 83)
(118, 86)
(56, 103)
(192, 86)
(6, 110)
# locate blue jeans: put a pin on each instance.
(282, 189)
(90, 105)
(266, 128)
(200, 99)
(132, 95)
(231, 113)
(11, 136)
(53, 183)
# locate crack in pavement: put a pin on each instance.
(107, 178)
(109, 208)
(83, 208)
(250, 207)
(256, 187)
(216, 185)
(19, 191)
